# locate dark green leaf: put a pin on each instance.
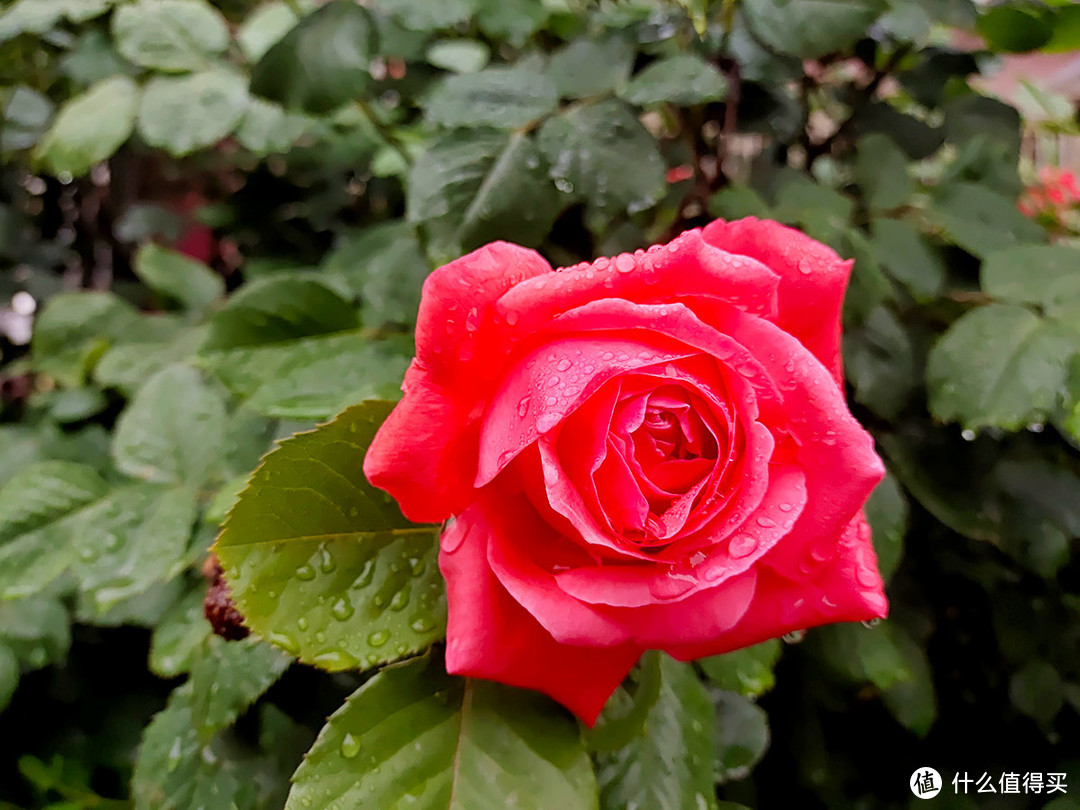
(1001, 366)
(742, 736)
(748, 671)
(422, 15)
(880, 363)
(1015, 27)
(184, 114)
(268, 129)
(1036, 690)
(811, 28)
(908, 257)
(881, 170)
(1046, 275)
(981, 221)
(669, 766)
(414, 735)
(469, 188)
(9, 675)
(887, 512)
(321, 63)
(324, 564)
(736, 202)
(37, 629)
(501, 97)
(602, 153)
(90, 127)
(683, 79)
(590, 67)
(170, 35)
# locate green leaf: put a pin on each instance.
(385, 267)
(37, 629)
(1000, 366)
(423, 15)
(862, 654)
(412, 734)
(501, 97)
(736, 202)
(669, 766)
(269, 129)
(179, 635)
(90, 127)
(823, 212)
(887, 512)
(321, 63)
(170, 35)
(683, 79)
(742, 736)
(173, 429)
(277, 309)
(129, 365)
(1046, 275)
(73, 330)
(1036, 690)
(880, 363)
(912, 701)
(177, 276)
(227, 677)
(748, 671)
(9, 675)
(267, 24)
(1066, 31)
(182, 114)
(1015, 28)
(458, 55)
(39, 16)
(602, 153)
(514, 20)
(881, 171)
(981, 221)
(908, 257)
(177, 770)
(810, 28)
(624, 715)
(26, 116)
(322, 563)
(44, 493)
(591, 67)
(471, 187)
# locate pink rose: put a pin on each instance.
(649, 451)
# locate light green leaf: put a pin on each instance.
(458, 55)
(172, 430)
(1046, 275)
(736, 202)
(887, 512)
(414, 735)
(39, 16)
(45, 493)
(502, 97)
(322, 563)
(129, 365)
(683, 79)
(1001, 366)
(743, 736)
(591, 67)
(267, 24)
(313, 378)
(862, 654)
(471, 187)
(321, 63)
(1036, 690)
(90, 127)
(385, 267)
(669, 766)
(748, 671)
(26, 116)
(170, 35)
(73, 329)
(177, 276)
(907, 257)
(280, 308)
(602, 153)
(982, 221)
(514, 20)
(183, 114)
(881, 171)
(811, 28)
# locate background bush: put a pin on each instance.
(214, 223)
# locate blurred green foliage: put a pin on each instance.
(214, 224)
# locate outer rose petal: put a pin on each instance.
(812, 280)
(491, 636)
(848, 590)
(425, 453)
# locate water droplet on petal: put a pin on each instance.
(563, 364)
(766, 522)
(624, 263)
(512, 317)
(742, 545)
(523, 406)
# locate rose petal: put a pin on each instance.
(812, 280)
(489, 635)
(848, 590)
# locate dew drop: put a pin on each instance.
(805, 267)
(967, 435)
(350, 746)
(342, 609)
(335, 660)
(624, 263)
(285, 642)
(327, 563)
(870, 624)
(794, 637)
(301, 624)
(512, 317)
(1034, 427)
(564, 364)
(602, 263)
(765, 522)
(786, 507)
(742, 545)
(378, 638)
(305, 572)
(422, 623)
(523, 406)
(367, 573)
(400, 599)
